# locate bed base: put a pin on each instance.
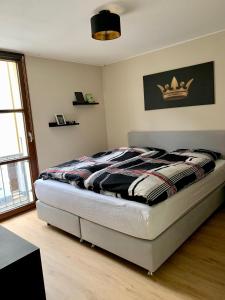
(59, 218)
(149, 254)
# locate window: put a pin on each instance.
(18, 160)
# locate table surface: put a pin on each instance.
(13, 247)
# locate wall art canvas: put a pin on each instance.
(186, 86)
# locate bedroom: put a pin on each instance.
(109, 242)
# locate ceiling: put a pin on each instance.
(60, 29)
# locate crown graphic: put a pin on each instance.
(175, 91)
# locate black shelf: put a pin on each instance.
(84, 103)
(54, 124)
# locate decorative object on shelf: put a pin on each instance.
(89, 98)
(186, 86)
(68, 123)
(80, 100)
(105, 26)
(60, 119)
(79, 97)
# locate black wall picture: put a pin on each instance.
(79, 98)
(187, 86)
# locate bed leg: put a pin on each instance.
(92, 245)
(81, 240)
(150, 273)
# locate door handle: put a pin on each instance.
(30, 136)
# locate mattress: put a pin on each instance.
(132, 218)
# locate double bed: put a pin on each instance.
(145, 235)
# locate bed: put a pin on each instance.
(144, 235)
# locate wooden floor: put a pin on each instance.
(77, 272)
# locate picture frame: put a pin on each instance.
(60, 119)
(79, 97)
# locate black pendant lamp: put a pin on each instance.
(105, 26)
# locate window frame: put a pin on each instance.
(19, 58)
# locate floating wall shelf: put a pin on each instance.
(54, 124)
(84, 103)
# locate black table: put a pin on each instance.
(20, 268)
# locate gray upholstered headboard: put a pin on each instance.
(171, 140)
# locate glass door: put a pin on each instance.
(18, 160)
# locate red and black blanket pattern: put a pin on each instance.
(76, 171)
(151, 180)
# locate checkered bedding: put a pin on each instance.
(76, 171)
(148, 180)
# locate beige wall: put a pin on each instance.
(124, 99)
(52, 85)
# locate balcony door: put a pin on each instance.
(18, 159)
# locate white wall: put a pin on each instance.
(52, 85)
(124, 98)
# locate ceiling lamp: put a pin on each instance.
(105, 26)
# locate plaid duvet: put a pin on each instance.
(76, 171)
(148, 180)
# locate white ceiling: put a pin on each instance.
(61, 29)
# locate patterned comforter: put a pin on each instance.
(151, 180)
(76, 171)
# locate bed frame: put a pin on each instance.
(149, 254)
